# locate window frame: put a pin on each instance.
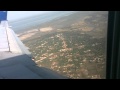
(113, 46)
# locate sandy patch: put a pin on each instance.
(23, 37)
(26, 32)
(87, 17)
(82, 26)
(46, 29)
(86, 28)
(31, 31)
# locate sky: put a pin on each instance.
(13, 15)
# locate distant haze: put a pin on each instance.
(13, 15)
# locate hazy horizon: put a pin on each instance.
(14, 15)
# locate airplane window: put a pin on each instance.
(72, 43)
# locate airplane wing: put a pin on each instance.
(15, 60)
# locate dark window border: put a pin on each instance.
(113, 46)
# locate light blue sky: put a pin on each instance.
(12, 15)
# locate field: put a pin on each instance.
(74, 45)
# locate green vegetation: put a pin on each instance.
(73, 51)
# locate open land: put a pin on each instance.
(74, 45)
